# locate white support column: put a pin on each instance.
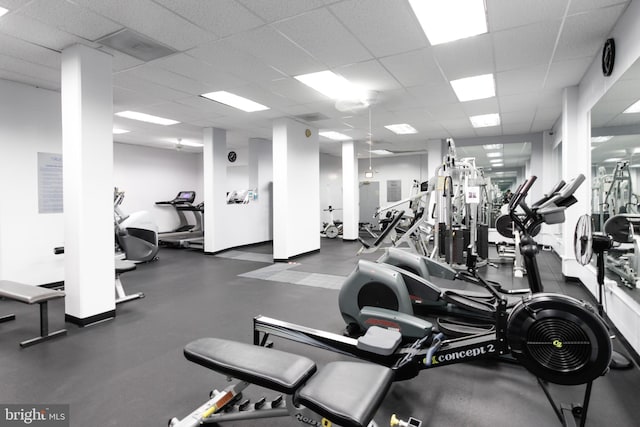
(296, 189)
(214, 157)
(434, 156)
(87, 146)
(350, 192)
(576, 159)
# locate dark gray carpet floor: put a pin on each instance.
(131, 371)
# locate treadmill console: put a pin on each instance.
(185, 197)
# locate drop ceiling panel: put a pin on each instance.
(152, 20)
(259, 94)
(146, 87)
(38, 72)
(518, 102)
(513, 82)
(480, 106)
(465, 58)
(586, 5)
(126, 99)
(197, 70)
(275, 50)
(28, 80)
(568, 73)
(413, 68)
(121, 61)
(295, 91)
(222, 17)
(171, 80)
(385, 27)
(525, 46)
(448, 112)
(275, 10)
(324, 37)
(175, 111)
(574, 43)
(29, 52)
(513, 128)
(207, 106)
(69, 18)
(236, 62)
(370, 75)
(28, 29)
(433, 95)
(542, 125)
(504, 14)
(523, 116)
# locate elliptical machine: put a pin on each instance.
(398, 289)
(136, 234)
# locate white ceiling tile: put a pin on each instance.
(433, 95)
(542, 125)
(385, 27)
(275, 10)
(518, 102)
(488, 131)
(121, 61)
(568, 73)
(169, 79)
(480, 106)
(221, 17)
(503, 14)
(525, 46)
(34, 71)
(152, 20)
(208, 107)
(575, 43)
(29, 52)
(465, 58)
(126, 99)
(70, 18)
(527, 79)
(223, 54)
(197, 70)
(175, 111)
(326, 39)
(415, 68)
(275, 50)
(28, 80)
(294, 90)
(263, 96)
(32, 31)
(448, 113)
(522, 116)
(578, 6)
(127, 81)
(514, 128)
(370, 75)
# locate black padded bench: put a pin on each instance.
(31, 295)
(346, 393)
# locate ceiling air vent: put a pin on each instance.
(311, 117)
(136, 45)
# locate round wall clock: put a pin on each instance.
(232, 156)
(608, 57)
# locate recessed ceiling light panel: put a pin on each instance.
(143, 117)
(598, 139)
(332, 85)
(117, 131)
(336, 136)
(235, 101)
(402, 129)
(381, 152)
(494, 154)
(633, 108)
(492, 146)
(485, 120)
(476, 87)
(3, 11)
(447, 20)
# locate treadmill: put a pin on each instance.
(183, 202)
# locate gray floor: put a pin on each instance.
(131, 371)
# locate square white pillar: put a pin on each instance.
(350, 192)
(87, 147)
(296, 189)
(214, 156)
(576, 159)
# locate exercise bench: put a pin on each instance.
(29, 294)
(341, 393)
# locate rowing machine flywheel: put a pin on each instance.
(559, 339)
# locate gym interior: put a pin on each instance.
(281, 212)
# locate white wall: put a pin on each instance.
(404, 168)
(148, 175)
(31, 123)
(623, 311)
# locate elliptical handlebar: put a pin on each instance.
(521, 193)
